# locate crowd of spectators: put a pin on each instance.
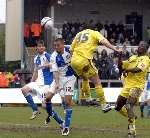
(9, 80)
(116, 33)
(32, 32)
(107, 63)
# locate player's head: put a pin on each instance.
(40, 46)
(59, 45)
(142, 49)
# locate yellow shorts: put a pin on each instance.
(83, 67)
(133, 92)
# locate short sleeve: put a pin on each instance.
(98, 36)
(143, 64)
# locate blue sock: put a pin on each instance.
(63, 104)
(68, 117)
(142, 107)
(148, 110)
(31, 102)
(49, 108)
(57, 117)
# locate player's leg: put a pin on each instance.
(48, 106)
(120, 106)
(148, 107)
(142, 105)
(91, 73)
(143, 102)
(131, 101)
(85, 90)
(69, 87)
(26, 91)
(63, 99)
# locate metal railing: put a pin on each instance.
(109, 83)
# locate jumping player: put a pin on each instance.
(83, 48)
(62, 58)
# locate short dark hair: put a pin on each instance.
(59, 40)
(144, 44)
(40, 42)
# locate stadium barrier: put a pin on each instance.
(13, 95)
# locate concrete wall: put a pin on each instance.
(14, 30)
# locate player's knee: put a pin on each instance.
(131, 100)
(25, 91)
(68, 102)
(118, 107)
(121, 101)
(48, 97)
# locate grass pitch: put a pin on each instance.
(87, 122)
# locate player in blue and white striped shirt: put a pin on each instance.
(62, 57)
(42, 83)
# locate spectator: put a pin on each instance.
(126, 42)
(118, 43)
(121, 37)
(103, 31)
(116, 54)
(4, 82)
(103, 65)
(113, 26)
(126, 33)
(16, 80)
(133, 42)
(114, 36)
(121, 27)
(125, 53)
(114, 71)
(106, 25)
(26, 32)
(9, 77)
(99, 25)
(112, 41)
(36, 31)
(148, 34)
(133, 52)
(57, 33)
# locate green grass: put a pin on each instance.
(87, 122)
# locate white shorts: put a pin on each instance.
(40, 90)
(66, 85)
(146, 94)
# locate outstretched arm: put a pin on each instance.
(106, 43)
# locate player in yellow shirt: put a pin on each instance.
(83, 47)
(135, 71)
